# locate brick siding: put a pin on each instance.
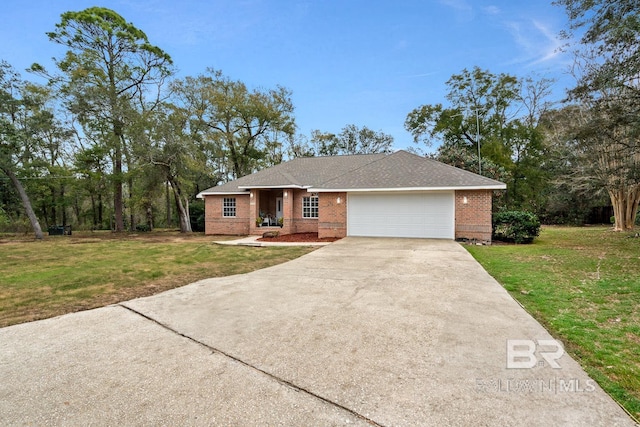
(298, 223)
(215, 223)
(473, 219)
(332, 216)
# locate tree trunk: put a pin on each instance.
(53, 212)
(94, 212)
(117, 192)
(169, 216)
(149, 211)
(76, 210)
(183, 211)
(25, 202)
(132, 217)
(64, 207)
(100, 210)
(625, 206)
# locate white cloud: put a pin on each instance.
(414, 76)
(537, 41)
(551, 48)
(492, 10)
(461, 5)
(463, 9)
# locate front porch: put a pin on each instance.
(279, 209)
(270, 208)
(285, 210)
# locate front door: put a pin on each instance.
(278, 207)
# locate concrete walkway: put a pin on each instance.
(253, 241)
(361, 332)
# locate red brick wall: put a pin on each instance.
(298, 223)
(473, 219)
(215, 223)
(332, 216)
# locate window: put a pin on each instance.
(310, 207)
(229, 206)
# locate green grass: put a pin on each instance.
(583, 285)
(63, 274)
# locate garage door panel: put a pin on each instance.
(401, 215)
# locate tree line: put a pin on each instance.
(559, 162)
(115, 140)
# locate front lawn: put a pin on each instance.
(63, 274)
(583, 285)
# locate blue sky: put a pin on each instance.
(362, 62)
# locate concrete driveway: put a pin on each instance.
(361, 332)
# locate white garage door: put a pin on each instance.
(429, 215)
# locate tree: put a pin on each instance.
(248, 127)
(481, 105)
(608, 93)
(572, 192)
(603, 142)
(299, 146)
(90, 167)
(171, 154)
(15, 129)
(109, 65)
(610, 33)
(351, 140)
(46, 155)
(491, 119)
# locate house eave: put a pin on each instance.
(405, 189)
(220, 193)
(265, 187)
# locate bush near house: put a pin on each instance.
(515, 226)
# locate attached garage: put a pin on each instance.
(408, 214)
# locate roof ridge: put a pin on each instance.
(325, 156)
(358, 168)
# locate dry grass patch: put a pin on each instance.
(64, 274)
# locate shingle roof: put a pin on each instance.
(399, 170)
(301, 172)
(404, 170)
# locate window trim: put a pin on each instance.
(309, 207)
(229, 205)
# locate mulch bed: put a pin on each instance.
(298, 237)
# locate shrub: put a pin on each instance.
(4, 218)
(196, 215)
(143, 228)
(515, 226)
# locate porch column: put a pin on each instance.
(287, 211)
(254, 202)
